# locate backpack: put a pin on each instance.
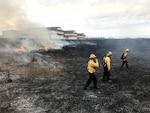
(103, 62)
(122, 56)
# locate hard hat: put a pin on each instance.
(127, 50)
(109, 53)
(92, 56)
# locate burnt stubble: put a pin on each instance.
(62, 91)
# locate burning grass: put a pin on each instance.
(64, 74)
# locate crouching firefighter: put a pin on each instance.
(107, 67)
(92, 65)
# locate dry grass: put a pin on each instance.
(37, 71)
(28, 69)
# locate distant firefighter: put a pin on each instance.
(92, 65)
(124, 58)
(107, 67)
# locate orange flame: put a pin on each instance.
(45, 48)
(20, 49)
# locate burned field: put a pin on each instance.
(55, 83)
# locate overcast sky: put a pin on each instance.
(92, 17)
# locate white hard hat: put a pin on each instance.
(127, 50)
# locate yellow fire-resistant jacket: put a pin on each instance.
(125, 56)
(92, 65)
(107, 61)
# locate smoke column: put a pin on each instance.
(13, 16)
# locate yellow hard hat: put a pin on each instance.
(109, 53)
(92, 56)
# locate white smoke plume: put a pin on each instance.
(14, 18)
(13, 15)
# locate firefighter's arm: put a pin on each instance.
(95, 64)
(125, 55)
(108, 64)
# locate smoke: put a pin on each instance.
(15, 24)
(13, 15)
(136, 48)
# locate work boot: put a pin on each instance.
(109, 81)
(85, 88)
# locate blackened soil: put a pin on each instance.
(63, 93)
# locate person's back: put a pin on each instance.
(107, 60)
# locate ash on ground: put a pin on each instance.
(54, 84)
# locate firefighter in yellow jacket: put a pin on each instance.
(92, 65)
(124, 58)
(107, 67)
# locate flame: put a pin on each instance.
(45, 48)
(20, 49)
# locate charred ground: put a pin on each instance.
(62, 91)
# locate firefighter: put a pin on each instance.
(107, 67)
(124, 58)
(92, 65)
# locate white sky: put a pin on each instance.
(92, 17)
